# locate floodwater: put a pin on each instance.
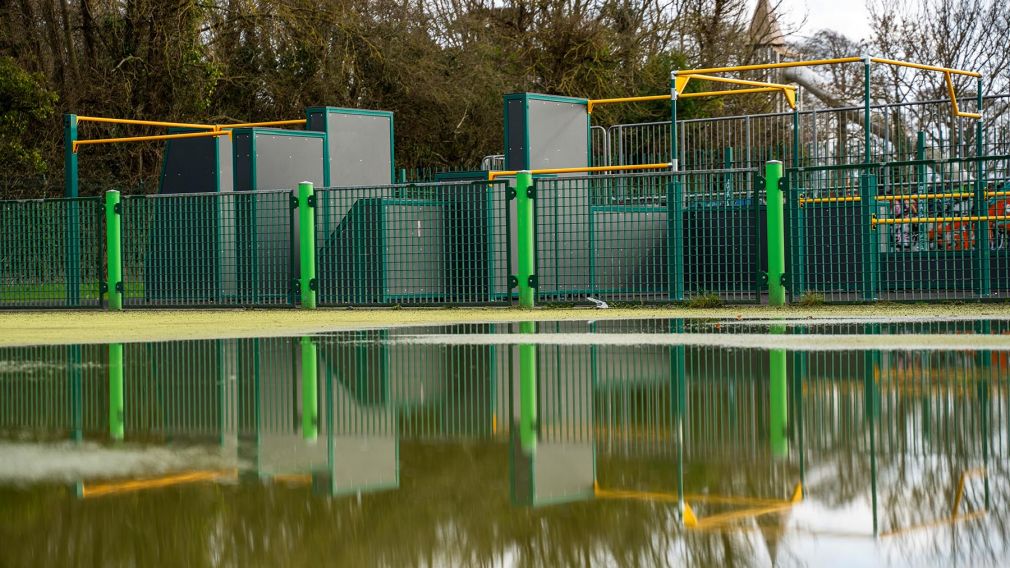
(535, 444)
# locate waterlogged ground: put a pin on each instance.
(630, 442)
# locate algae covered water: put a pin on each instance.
(841, 443)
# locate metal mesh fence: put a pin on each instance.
(935, 230)
(51, 253)
(818, 137)
(209, 249)
(649, 237)
(414, 244)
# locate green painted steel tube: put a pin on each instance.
(525, 227)
(983, 284)
(116, 410)
(72, 248)
(307, 243)
(74, 369)
(776, 234)
(528, 391)
(674, 165)
(778, 392)
(310, 390)
(867, 159)
(113, 248)
(70, 183)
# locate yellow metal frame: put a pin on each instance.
(909, 197)
(757, 87)
(295, 122)
(954, 517)
(145, 122)
(134, 485)
(947, 72)
(79, 143)
(499, 173)
(756, 506)
(211, 129)
(965, 219)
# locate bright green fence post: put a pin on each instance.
(776, 234)
(778, 417)
(116, 414)
(113, 248)
(310, 390)
(525, 226)
(528, 391)
(307, 243)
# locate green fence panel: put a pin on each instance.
(421, 244)
(213, 249)
(609, 236)
(51, 253)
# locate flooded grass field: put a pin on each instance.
(705, 442)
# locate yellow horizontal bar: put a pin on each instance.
(268, 123)
(846, 199)
(492, 175)
(78, 143)
(939, 523)
(908, 197)
(925, 67)
(732, 81)
(728, 92)
(299, 478)
(593, 102)
(808, 63)
(728, 517)
(98, 490)
(835, 61)
(144, 122)
(912, 220)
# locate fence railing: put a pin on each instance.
(428, 243)
(817, 137)
(898, 230)
(51, 253)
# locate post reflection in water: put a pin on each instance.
(706, 454)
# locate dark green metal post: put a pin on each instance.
(678, 389)
(113, 248)
(674, 164)
(776, 234)
(528, 390)
(74, 369)
(526, 227)
(307, 243)
(868, 198)
(310, 390)
(983, 286)
(116, 411)
(796, 226)
(69, 156)
(675, 239)
(72, 248)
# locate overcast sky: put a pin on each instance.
(849, 17)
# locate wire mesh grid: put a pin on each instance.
(209, 249)
(52, 253)
(648, 237)
(447, 242)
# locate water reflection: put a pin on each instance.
(366, 449)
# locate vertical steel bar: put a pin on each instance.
(526, 227)
(310, 390)
(983, 286)
(307, 243)
(113, 248)
(776, 234)
(116, 410)
(528, 390)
